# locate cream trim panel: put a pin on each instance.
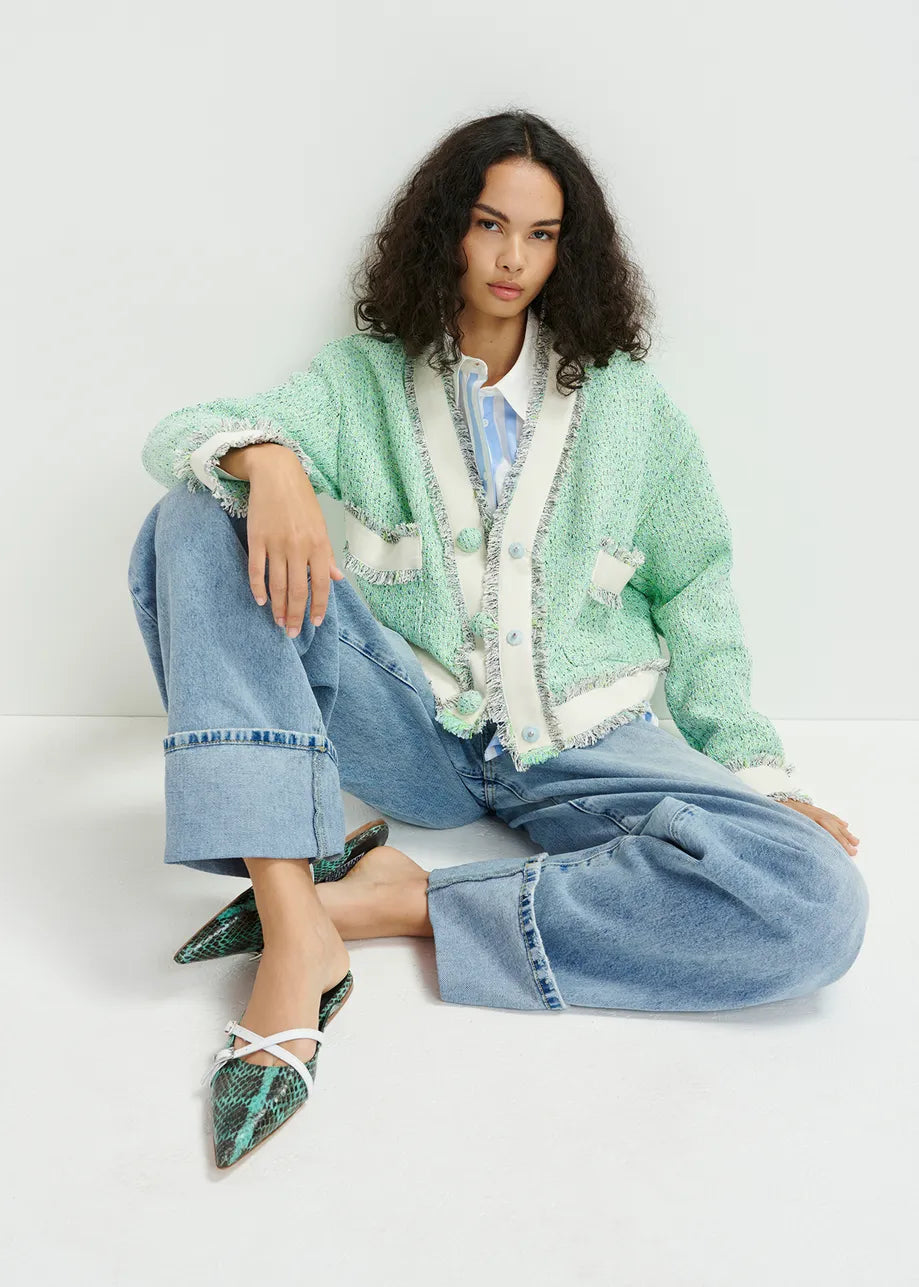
(515, 576)
(199, 457)
(766, 778)
(610, 573)
(402, 554)
(459, 502)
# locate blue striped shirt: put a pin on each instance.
(495, 414)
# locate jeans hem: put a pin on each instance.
(487, 944)
(230, 797)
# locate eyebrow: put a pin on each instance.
(537, 223)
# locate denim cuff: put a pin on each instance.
(486, 941)
(227, 799)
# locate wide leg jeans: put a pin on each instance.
(662, 882)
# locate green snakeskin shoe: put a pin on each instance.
(238, 928)
(250, 1101)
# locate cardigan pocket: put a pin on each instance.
(612, 569)
(381, 555)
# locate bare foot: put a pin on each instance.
(384, 894)
(287, 990)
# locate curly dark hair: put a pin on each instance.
(595, 300)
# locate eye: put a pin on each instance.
(482, 222)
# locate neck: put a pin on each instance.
(496, 340)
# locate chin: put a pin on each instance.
(501, 307)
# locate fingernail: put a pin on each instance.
(291, 632)
(281, 620)
(261, 602)
(317, 621)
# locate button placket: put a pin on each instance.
(514, 556)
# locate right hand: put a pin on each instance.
(286, 525)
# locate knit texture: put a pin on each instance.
(633, 499)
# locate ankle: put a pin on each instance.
(285, 897)
(304, 934)
(404, 909)
(312, 941)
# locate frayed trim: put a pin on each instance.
(587, 737)
(235, 505)
(791, 795)
(234, 499)
(772, 762)
(612, 598)
(539, 756)
(379, 576)
(758, 761)
(452, 722)
(391, 534)
(587, 685)
(632, 558)
(460, 665)
(635, 558)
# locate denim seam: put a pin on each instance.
(674, 817)
(600, 813)
(593, 813)
(148, 615)
(286, 739)
(397, 673)
(318, 818)
(532, 939)
(605, 850)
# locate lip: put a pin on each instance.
(505, 292)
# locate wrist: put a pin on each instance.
(246, 462)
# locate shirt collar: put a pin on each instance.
(515, 386)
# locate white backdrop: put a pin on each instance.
(188, 186)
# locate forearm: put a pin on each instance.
(301, 416)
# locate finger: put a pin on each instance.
(297, 590)
(839, 831)
(257, 572)
(277, 581)
(319, 589)
(843, 822)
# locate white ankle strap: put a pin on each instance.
(257, 1042)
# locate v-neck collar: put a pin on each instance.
(515, 385)
(539, 357)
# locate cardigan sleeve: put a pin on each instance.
(686, 578)
(304, 414)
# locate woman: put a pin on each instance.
(527, 514)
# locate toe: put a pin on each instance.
(249, 1102)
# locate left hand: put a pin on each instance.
(835, 826)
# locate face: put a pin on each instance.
(513, 237)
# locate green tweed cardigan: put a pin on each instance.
(545, 615)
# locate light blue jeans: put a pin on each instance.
(662, 881)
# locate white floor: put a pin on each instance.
(446, 1144)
